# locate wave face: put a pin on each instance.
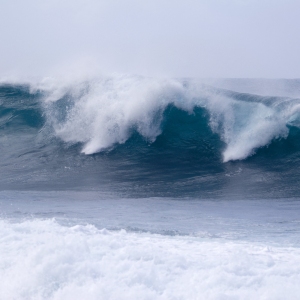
(150, 137)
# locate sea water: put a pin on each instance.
(140, 188)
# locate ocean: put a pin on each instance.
(128, 187)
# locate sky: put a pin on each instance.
(187, 38)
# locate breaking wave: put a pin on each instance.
(145, 125)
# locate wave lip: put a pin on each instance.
(103, 113)
(110, 109)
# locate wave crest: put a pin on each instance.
(105, 112)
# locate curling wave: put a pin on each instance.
(143, 126)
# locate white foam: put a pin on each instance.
(41, 259)
(105, 111)
(245, 126)
(111, 107)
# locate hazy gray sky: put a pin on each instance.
(188, 38)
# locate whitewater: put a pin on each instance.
(128, 187)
